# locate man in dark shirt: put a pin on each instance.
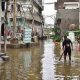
(67, 44)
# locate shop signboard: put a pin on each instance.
(27, 35)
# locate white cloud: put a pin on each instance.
(49, 9)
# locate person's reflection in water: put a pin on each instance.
(67, 71)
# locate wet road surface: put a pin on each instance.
(40, 63)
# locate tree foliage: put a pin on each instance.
(56, 37)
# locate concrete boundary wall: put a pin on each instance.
(68, 16)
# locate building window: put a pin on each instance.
(11, 19)
(18, 7)
(2, 29)
(3, 6)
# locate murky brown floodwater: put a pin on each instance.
(40, 63)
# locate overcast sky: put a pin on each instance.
(49, 11)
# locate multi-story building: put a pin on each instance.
(68, 14)
(60, 3)
(23, 14)
(2, 19)
(2, 16)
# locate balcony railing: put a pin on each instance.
(39, 4)
(28, 16)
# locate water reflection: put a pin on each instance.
(39, 63)
(48, 67)
(24, 64)
(67, 70)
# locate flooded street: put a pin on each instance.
(40, 62)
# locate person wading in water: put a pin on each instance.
(67, 45)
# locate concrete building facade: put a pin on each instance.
(71, 5)
(60, 3)
(68, 17)
(68, 13)
(28, 13)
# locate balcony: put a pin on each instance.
(36, 17)
(38, 3)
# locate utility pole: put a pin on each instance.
(6, 22)
(79, 14)
(0, 34)
(32, 15)
(14, 18)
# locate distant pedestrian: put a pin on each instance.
(67, 45)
